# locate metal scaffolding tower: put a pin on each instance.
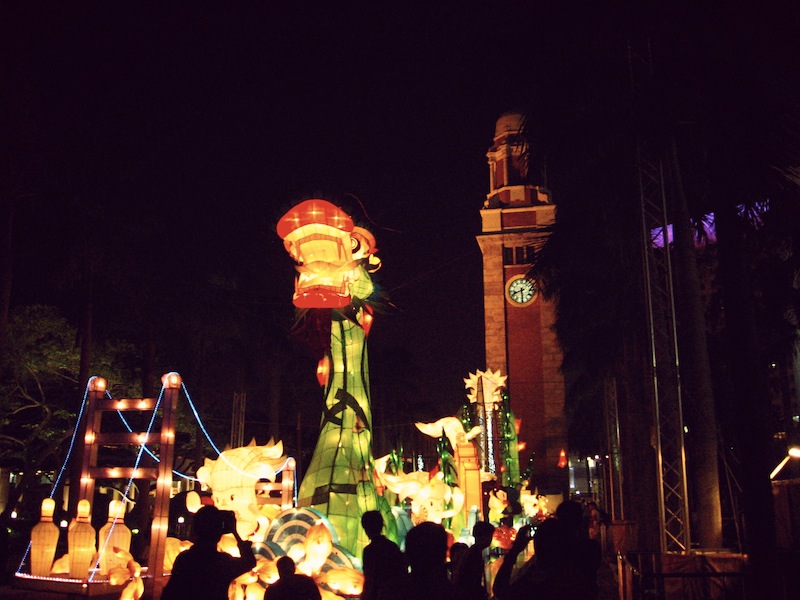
(661, 326)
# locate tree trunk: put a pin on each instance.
(695, 370)
(750, 404)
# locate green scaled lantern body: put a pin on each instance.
(339, 481)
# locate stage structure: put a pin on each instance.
(334, 262)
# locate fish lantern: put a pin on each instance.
(81, 543)
(328, 248)
(114, 534)
(44, 538)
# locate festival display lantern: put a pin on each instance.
(44, 539)
(345, 581)
(232, 478)
(317, 235)
(81, 542)
(334, 262)
(464, 472)
(484, 390)
(318, 545)
(114, 534)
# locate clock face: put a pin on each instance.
(521, 290)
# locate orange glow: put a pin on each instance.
(562, 460)
(521, 446)
(366, 322)
(171, 380)
(97, 384)
(323, 370)
(517, 425)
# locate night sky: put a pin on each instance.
(184, 134)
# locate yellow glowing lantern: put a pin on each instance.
(344, 580)
(228, 544)
(233, 476)
(562, 459)
(318, 546)
(173, 547)
(60, 566)
(254, 591)
(81, 543)
(193, 502)
(317, 235)
(114, 534)
(118, 575)
(267, 570)
(44, 539)
(133, 591)
(246, 578)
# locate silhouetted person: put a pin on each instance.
(457, 551)
(426, 551)
(564, 565)
(202, 572)
(469, 576)
(291, 585)
(382, 559)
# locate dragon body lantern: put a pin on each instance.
(334, 262)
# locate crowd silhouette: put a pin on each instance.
(564, 566)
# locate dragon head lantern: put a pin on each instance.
(328, 250)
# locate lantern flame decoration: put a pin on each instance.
(328, 248)
(232, 478)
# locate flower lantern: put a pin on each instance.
(344, 581)
(81, 543)
(44, 538)
(114, 534)
(318, 546)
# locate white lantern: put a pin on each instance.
(114, 534)
(81, 543)
(44, 539)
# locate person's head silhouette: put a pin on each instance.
(207, 525)
(372, 522)
(483, 531)
(426, 548)
(285, 566)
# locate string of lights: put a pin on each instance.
(150, 452)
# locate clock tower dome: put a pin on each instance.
(519, 322)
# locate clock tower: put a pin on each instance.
(519, 322)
